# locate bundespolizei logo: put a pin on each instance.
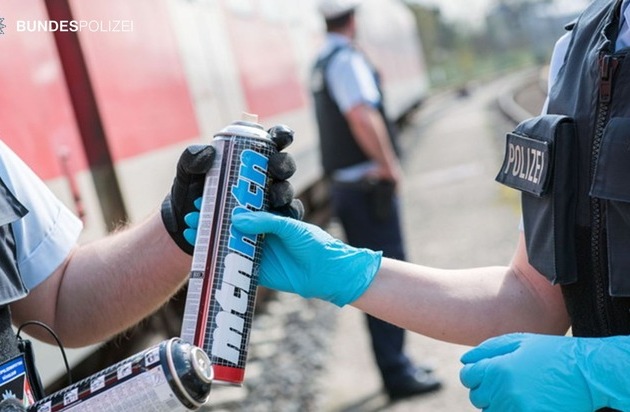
(2, 25)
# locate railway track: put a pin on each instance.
(525, 99)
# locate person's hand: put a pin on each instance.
(281, 167)
(301, 258)
(537, 373)
(180, 209)
(387, 172)
(187, 187)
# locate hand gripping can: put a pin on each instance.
(170, 376)
(224, 274)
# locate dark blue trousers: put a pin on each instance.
(369, 215)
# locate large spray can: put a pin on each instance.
(224, 274)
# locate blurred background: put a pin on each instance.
(478, 38)
(100, 99)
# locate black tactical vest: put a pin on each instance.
(593, 88)
(573, 166)
(338, 147)
(11, 286)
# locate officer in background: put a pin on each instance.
(359, 158)
(570, 267)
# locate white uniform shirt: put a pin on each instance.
(47, 233)
(350, 79)
(350, 82)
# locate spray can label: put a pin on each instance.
(224, 274)
(170, 376)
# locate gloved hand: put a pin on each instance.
(528, 372)
(301, 258)
(187, 187)
(180, 209)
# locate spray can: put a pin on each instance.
(170, 376)
(224, 274)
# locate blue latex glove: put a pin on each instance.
(192, 223)
(527, 372)
(294, 209)
(302, 258)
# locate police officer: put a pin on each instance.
(570, 268)
(358, 156)
(89, 292)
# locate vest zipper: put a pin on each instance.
(607, 66)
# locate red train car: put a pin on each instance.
(101, 97)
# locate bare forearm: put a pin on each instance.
(109, 285)
(462, 306)
(371, 135)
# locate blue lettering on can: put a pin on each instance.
(238, 266)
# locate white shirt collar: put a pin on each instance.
(334, 40)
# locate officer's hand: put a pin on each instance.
(301, 258)
(187, 187)
(180, 210)
(527, 372)
(281, 167)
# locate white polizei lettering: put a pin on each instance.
(531, 158)
(525, 163)
(534, 161)
(522, 168)
(540, 165)
(517, 161)
(510, 158)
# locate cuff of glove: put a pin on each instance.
(601, 364)
(368, 263)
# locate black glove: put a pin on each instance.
(281, 167)
(192, 167)
(188, 184)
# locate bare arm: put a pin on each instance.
(466, 306)
(370, 132)
(106, 286)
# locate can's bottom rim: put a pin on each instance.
(171, 364)
(202, 365)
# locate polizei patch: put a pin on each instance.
(526, 164)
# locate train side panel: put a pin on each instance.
(179, 72)
(397, 53)
(142, 94)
